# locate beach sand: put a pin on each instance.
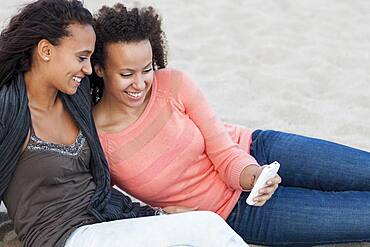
(296, 66)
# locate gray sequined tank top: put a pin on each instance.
(50, 190)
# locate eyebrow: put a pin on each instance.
(85, 51)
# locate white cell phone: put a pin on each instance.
(267, 173)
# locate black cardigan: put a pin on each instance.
(15, 120)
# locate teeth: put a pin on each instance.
(77, 79)
(135, 95)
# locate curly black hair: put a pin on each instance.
(42, 19)
(119, 24)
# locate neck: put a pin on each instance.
(116, 109)
(40, 95)
(108, 111)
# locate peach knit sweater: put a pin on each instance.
(178, 153)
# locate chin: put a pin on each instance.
(137, 105)
(69, 91)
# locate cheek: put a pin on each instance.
(118, 84)
(149, 78)
(67, 64)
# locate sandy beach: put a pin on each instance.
(295, 66)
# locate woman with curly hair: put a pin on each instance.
(165, 145)
(54, 180)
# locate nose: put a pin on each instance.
(87, 68)
(139, 82)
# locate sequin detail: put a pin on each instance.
(37, 144)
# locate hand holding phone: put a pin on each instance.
(267, 173)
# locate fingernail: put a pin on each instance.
(269, 182)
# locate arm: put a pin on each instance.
(14, 126)
(249, 176)
(235, 166)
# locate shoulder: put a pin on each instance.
(13, 101)
(172, 80)
(14, 112)
(169, 75)
(8, 95)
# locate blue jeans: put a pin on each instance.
(324, 196)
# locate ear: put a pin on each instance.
(44, 50)
(99, 70)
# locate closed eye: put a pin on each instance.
(82, 58)
(126, 75)
(148, 70)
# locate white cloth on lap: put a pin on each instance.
(197, 229)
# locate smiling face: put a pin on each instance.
(127, 74)
(69, 61)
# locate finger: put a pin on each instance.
(265, 194)
(260, 200)
(278, 179)
(268, 189)
(264, 197)
(274, 180)
(259, 204)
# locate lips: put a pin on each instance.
(134, 95)
(77, 80)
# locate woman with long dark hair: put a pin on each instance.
(54, 177)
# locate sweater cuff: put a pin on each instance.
(237, 170)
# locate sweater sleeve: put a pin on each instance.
(227, 157)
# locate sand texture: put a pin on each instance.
(296, 66)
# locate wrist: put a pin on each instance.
(249, 176)
(159, 211)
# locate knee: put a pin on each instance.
(264, 134)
